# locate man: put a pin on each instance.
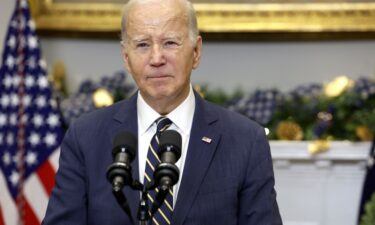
(226, 174)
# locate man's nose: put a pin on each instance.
(157, 56)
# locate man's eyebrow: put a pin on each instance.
(172, 36)
(139, 39)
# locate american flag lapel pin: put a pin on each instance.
(206, 139)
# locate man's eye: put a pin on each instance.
(142, 45)
(171, 44)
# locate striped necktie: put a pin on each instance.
(164, 214)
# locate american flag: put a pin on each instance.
(30, 125)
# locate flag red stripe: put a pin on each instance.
(46, 175)
(30, 217)
(1, 217)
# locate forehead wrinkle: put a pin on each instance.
(146, 28)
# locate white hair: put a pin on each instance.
(192, 18)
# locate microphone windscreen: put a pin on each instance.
(171, 137)
(125, 139)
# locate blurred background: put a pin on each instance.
(313, 93)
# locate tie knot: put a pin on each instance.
(162, 124)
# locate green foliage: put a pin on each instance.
(368, 218)
(302, 110)
(348, 111)
(351, 111)
(219, 96)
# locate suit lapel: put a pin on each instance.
(127, 119)
(199, 156)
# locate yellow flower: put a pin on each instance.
(318, 146)
(289, 130)
(102, 98)
(364, 133)
(337, 86)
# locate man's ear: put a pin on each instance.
(197, 52)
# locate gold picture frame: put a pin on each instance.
(222, 20)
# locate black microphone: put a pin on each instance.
(166, 173)
(124, 150)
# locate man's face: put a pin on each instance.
(158, 51)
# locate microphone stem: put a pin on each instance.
(143, 209)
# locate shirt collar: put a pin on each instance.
(182, 116)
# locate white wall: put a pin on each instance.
(229, 65)
(226, 65)
(6, 9)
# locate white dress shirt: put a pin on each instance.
(182, 120)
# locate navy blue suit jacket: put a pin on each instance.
(229, 181)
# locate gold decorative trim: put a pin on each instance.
(217, 18)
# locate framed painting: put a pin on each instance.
(222, 19)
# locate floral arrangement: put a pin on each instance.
(91, 94)
(342, 109)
